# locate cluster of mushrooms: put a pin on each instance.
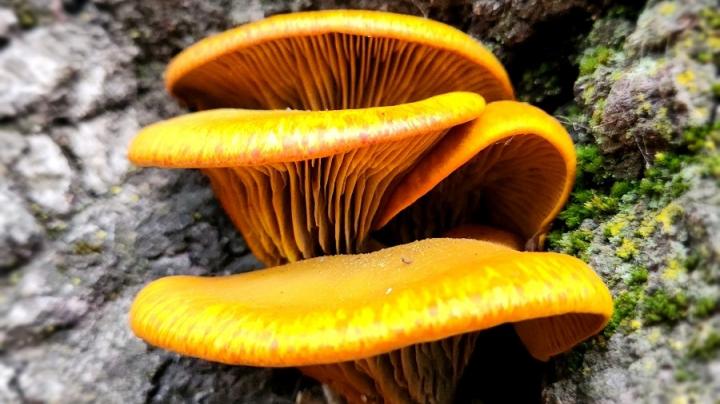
(378, 165)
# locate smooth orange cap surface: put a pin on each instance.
(338, 308)
(232, 138)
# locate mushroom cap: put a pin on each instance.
(513, 167)
(304, 183)
(335, 59)
(338, 308)
(234, 137)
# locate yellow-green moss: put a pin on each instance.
(673, 270)
(592, 58)
(616, 225)
(705, 349)
(625, 305)
(638, 276)
(662, 307)
(25, 14)
(627, 250)
(705, 306)
(575, 243)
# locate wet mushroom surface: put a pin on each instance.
(409, 160)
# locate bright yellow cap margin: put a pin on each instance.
(232, 138)
(338, 308)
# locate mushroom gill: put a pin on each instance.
(379, 128)
(415, 366)
(337, 59)
(299, 184)
(512, 168)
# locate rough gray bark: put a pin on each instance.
(81, 230)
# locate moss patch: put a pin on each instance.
(662, 307)
(592, 58)
(625, 305)
(707, 348)
(705, 306)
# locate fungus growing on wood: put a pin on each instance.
(299, 184)
(338, 59)
(512, 168)
(330, 310)
(509, 148)
(379, 129)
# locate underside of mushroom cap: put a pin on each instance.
(333, 309)
(511, 168)
(299, 184)
(337, 59)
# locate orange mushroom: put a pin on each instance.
(512, 168)
(339, 59)
(299, 184)
(408, 150)
(511, 154)
(321, 60)
(372, 309)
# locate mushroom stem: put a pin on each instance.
(421, 373)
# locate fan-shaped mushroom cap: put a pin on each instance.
(337, 59)
(332, 309)
(301, 183)
(511, 168)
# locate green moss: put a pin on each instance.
(696, 139)
(638, 276)
(588, 94)
(574, 243)
(661, 182)
(711, 167)
(706, 349)
(598, 111)
(592, 58)
(711, 17)
(623, 11)
(627, 250)
(592, 167)
(539, 84)
(716, 90)
(662, 307)
(693, 259)
(685, 375)
(625, 305)
(706, 143)
(585, 205)
(704, 57)
(620, 188)
(704, 307)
